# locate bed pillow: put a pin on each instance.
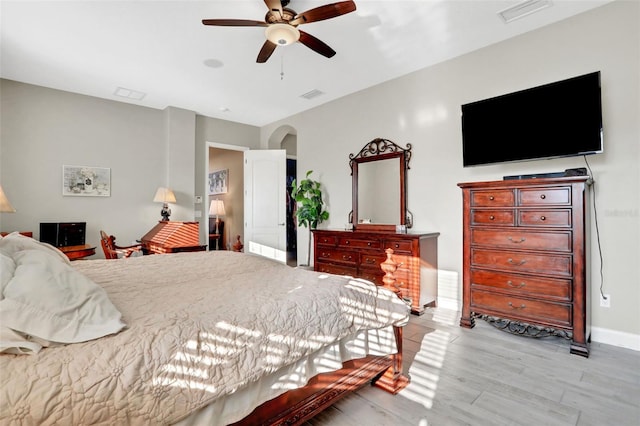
(16, 242)
(15, 343)
(7, 268)
(50, 300)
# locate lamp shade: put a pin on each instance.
(216, 208)
(282, 34)
(164, 195)
(5, 205)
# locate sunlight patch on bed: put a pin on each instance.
(184, 383)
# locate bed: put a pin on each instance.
(190, 338)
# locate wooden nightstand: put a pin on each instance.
(78, 252)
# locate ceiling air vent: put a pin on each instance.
(128, 93)
(523, 9)
(312, 94)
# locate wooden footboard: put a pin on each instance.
(299, 405)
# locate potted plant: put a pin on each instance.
(310, 211)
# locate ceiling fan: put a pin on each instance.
(282, 25)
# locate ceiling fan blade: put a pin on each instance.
(324, 12)
(266, 51)
(316, 44)
(234, 23)
(274, 6)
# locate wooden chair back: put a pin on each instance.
(114, 251)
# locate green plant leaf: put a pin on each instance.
(308, 196)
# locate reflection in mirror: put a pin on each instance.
(379, 192)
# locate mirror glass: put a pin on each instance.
(379, 183)
(379, 191)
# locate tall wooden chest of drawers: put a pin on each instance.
(359, 254)
(525, 249)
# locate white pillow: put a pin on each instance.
(15, 242)
(15, 343)
(7, 268)
(50, 300)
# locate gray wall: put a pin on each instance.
(43, 129)
(423, 108)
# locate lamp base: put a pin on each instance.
(165, 213)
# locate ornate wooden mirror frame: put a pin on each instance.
(377, 150)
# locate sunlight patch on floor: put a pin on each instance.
(425, 368)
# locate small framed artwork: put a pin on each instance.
(85, 181)
(218, 182)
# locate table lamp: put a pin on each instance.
(216, 208)
(164, 196)
(5, 205)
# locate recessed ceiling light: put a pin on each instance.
(213, 63)
(522, 9)
(128, 93)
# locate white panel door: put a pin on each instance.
(265, 192)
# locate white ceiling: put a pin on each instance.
(161, 49)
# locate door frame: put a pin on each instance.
(207, 147)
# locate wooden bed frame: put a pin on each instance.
(299, 405)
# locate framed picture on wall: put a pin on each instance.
(218, 182)
(85, 181)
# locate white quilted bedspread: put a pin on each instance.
(200, 325)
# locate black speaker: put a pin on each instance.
(62, 234)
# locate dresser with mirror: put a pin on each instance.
(380, 220)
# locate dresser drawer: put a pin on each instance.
(372, 274)
(330, 268)
(536, 311)
(493, 217)
(358, 243)
(326, 240)
(342, 256)
(546, 288)
(372, 260)
(560, 196)
(489, 198)
(557, 265)
(545, 218)
(522, 240)
(399, 246)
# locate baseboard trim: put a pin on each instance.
(616, 338)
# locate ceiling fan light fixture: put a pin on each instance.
(282, 34)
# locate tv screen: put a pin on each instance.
(559, 119)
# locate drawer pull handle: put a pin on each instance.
(543, 218)
(326, 254)
(346, 257)
(492, 217)
(511, 284)
(543, 196)
(522, 306)
(491, 198)
(347, 242)
(370, 261)
(397, 245)
(369, 243)
(522, 262)
(522, 240)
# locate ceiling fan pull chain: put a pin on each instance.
(282, 66)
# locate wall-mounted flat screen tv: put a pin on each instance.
(559, 119)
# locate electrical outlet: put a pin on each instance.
(605, 302)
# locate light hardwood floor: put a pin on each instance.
(485, 376)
